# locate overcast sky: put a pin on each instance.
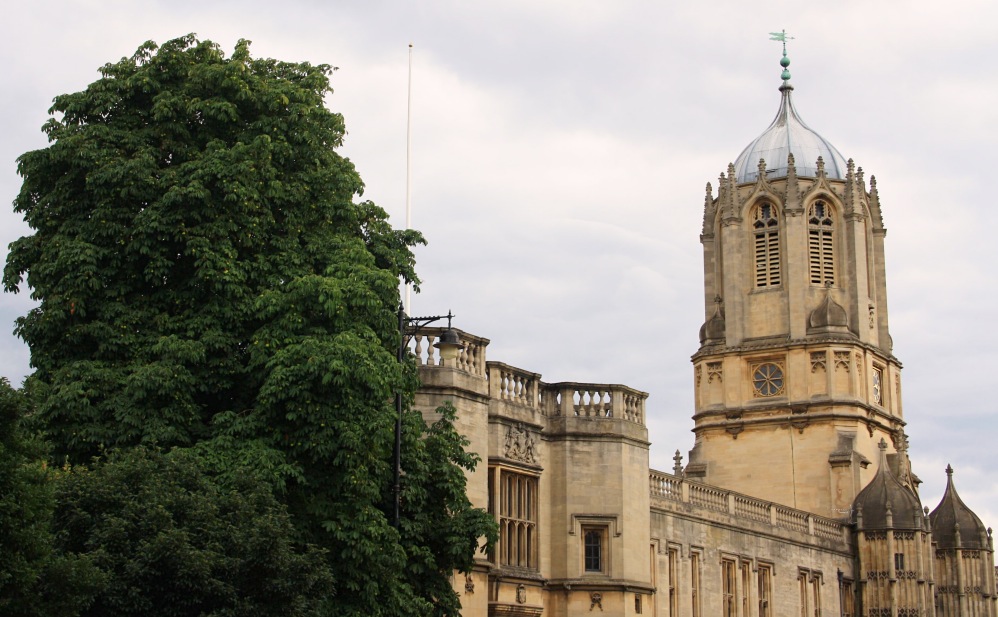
(560, 152)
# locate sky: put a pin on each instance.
(560, 150)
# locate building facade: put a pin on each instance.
(797, 497)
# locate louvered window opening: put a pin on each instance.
(767, 246)
(820, 245)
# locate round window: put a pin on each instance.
(767, 379)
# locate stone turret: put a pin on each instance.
(894, 546)
(964, 557)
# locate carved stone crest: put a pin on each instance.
(521, 593)
(469, 584)
(595, 599)
(520, 444)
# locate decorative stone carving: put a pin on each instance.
(521, 593)
(520, 444)
(714, 371)
(469, 584)
(595, 599)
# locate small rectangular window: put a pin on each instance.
(594, 551)
(899, 562)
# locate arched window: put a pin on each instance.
(820, 245)
(766, 232)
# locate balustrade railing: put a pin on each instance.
(471, 358)
(669, 487)
(513, 385)
(750, 507)
(666, 486)
(791, 519)
(708, 497)
(519, 387)
(590, 400)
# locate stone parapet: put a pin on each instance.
(675, 494)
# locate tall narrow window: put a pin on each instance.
(695, 582)
(766, 234)
(802, 589)
(848, 599)
(593, 548)
(728, 587)
(517, 496)
(746, 585)
(765, 580)
(673, 582)
(878, 385)
(820, 247)
(816, 595)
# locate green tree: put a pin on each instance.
(205, 278)
(172, 541)
(35, 580)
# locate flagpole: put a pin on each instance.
(408, 172)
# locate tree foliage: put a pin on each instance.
(206, 279)
(172, 541)
(35, 580)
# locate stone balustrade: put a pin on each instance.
(471, 358)
(516, 386)
(668, 487)
(513, 385)
(594, 401)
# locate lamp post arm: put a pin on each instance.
(408, 326)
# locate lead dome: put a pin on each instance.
(788, 134)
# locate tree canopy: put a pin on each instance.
(170, 540)
(206, 279)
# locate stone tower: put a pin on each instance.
(795, 380)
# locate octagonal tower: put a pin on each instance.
(795, 378)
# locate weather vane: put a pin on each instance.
(784, 61)
(782, 37)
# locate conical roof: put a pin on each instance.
(788, 134)
(951, 517)
(885, 503)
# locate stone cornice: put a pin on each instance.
(749, 348)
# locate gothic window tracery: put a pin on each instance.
(766, 237)
(767, 379)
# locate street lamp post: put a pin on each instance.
(449, 346)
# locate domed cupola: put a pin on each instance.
(954, 525)
(885, 503)
(788, 134)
